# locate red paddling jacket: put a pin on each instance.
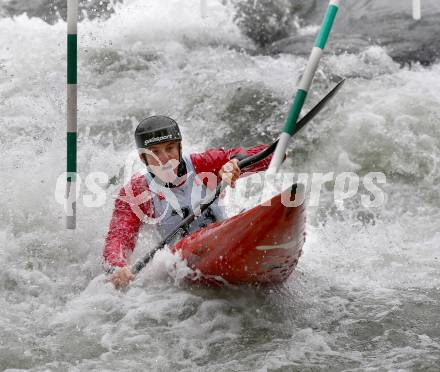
(134, 205)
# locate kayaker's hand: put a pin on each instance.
(230, 172)
(122, 278)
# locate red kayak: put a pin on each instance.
(259, 246)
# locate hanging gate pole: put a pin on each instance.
(72, 26)
(417, 9)
(304, 86)
(204, 8)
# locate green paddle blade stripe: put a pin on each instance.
(326, 27)
(71, 152)
(71, 58)
(295, 109)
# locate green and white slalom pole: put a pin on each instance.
(304, 86)
(72, 27)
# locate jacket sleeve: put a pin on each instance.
(213, 159)
(124, 228)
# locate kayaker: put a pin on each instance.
(162, 196)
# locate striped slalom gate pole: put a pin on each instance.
(72, 26)
(417, 9)
(304, 86)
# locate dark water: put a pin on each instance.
(365, 295)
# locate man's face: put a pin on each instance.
(163, 160)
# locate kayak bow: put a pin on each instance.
(249, 248)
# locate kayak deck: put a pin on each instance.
(259, 246)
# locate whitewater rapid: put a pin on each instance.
(365, 295)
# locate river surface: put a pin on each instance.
(365, 295)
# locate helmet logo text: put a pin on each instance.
(157, 139)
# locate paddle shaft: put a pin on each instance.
(250, 160)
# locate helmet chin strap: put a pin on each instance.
(181, 169)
